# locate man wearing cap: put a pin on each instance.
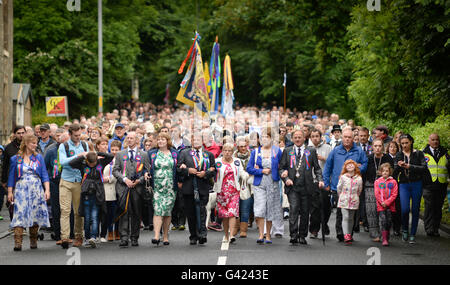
(119, 135)
(45, 140)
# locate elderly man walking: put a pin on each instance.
(332, 170)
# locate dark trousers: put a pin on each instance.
(299, 205)
(385, 218)
(397, 215)
(190, 211)
(107, 219)
(433, 196)
(178, 216)
(147, 213)
(361, 215)
(129, 223)
(56, 209)
(319, 199)
(328, 209)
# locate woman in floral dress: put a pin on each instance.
(227, 186)
(163, 176)
(26, 176)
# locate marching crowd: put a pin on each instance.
(105, 178)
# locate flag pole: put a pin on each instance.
(284, 84)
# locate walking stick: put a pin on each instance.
(197, 203)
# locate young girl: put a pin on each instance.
(349, 187)
(386, 190)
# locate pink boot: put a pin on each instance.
(385, 235)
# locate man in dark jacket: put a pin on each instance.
(296, 170)
(435, 184)
(196, 167)
(11, 150)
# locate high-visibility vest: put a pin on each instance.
(437, 170)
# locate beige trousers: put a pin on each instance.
(70, 193)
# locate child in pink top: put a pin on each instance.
(386, 190)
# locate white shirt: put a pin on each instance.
(299, 150)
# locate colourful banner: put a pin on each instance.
(56, 106)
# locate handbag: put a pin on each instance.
(251, 177)
(245, 193)
(148, 192)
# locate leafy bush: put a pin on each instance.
(40, 117)
(441, 126)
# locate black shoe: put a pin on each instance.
(326, 231)
(202, 240)
(134, 243)
(123, 244)
(366, 229)
(233, 239)
(340, 237)
(65, 244)
(150, 228)
(193, 242)
(156, 241)
(302, 240)
(166, 243)
(294, 240)
(356, 229)
(397, 233)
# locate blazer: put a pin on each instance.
(152, 157)
(16, 169)
(186, 157)
(308, 166)
(276, 158)
(238, 171)
(130, 170)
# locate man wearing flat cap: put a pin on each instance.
(119, 135)
(45, 140)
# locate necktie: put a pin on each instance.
(131, 155)
(198, 156)
(364, 147)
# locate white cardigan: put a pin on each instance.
(110, 187)
(238, 170)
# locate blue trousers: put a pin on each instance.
(410, 196)
(90, 217)
(245, 207)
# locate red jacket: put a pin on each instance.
(387, 191)
(214, 149)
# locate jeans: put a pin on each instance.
(245, 207)
(410, 193)
(90, 216)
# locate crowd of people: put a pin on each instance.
(148, 167)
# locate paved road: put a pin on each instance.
(430, 251)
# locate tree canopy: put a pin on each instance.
(388, 66)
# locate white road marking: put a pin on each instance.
(222, 260)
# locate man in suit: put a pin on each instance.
(366, 146)
(196, 168)
(296, 167)
(130, 169)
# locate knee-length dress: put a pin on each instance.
(267, 195)
(164, 196)
(30, 207)
(228, 198)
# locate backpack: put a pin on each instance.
(66, 147)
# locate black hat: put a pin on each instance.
(336, 128)
(44, 127)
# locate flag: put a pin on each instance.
(214, 82)
(227, 89)
(193, 90)
(166, 99)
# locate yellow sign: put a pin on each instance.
(56, 106)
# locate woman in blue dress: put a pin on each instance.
(27, 179)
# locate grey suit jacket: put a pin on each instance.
(313, 166)
(131, 169)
